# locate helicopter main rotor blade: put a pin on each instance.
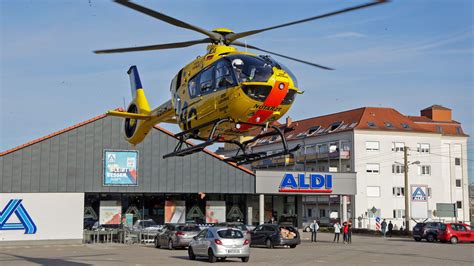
(234, 36)
(281, 55)
(154, 47)
(178, 23)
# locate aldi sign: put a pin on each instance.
(313, 183)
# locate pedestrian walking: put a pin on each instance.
(390, 228)
(345, 231)
(384, 227)
(337, 231)
(314, 230)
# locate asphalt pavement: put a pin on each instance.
(364, 250)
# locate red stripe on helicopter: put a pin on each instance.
(274, 99)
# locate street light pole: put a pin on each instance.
(407, 193)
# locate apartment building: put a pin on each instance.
(371, 142)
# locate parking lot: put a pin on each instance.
(363, 250)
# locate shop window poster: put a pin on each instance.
(175, 211)
(120, 168)
(215, 211)
(110, 212)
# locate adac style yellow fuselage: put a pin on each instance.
(225, 83)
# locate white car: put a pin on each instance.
(219, 243)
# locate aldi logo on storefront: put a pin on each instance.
(315, 183)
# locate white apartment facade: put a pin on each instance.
(370, 142)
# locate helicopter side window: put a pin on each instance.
(192, 86)
(223, 76)
(205, 81)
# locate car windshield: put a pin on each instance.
(230, 233)
(148, 223)
(250, 68)
(188, 228)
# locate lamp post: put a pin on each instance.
(407, 193)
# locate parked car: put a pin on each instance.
(89, 223)
(147, 224)
(272, 235)
(428, 231)
(242, 227)
(455, 233)
(219, 243)
(176, 235)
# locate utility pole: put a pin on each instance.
(407, 192)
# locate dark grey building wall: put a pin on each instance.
(72, 162)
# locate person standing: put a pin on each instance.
(349, 231)
(314, 230)
(384, 227)
(345, 231)
(337, 231)
(390, 228)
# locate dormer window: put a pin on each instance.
(313, 130)
(335, 126)
(458, 131)
(371, 124)
(389, 125)
(405, 126)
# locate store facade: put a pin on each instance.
(52, 186)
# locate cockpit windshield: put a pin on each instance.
(281, 66)
(250, 68)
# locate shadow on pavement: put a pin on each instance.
(45, 261)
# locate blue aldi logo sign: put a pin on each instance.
(314, 183)
(15, 206)
(419, 193)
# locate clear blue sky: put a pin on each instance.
(406, 54)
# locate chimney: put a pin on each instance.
(437, 113)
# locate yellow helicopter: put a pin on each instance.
(221, 96)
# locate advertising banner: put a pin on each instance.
(120, 168)
(215, 211)
(41, 216)
(110, 212)
(175, 211)
(419, 201)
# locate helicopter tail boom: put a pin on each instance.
(139, 119)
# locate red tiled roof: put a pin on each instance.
(104, 115)
(370, 118)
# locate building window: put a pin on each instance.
(372, 146)
(322, 213)
(423, 148)
(373, 191)
(428, 191)
(424, 170)
(398, 191)
(439, 129)
(458, 131)
(398, 168)
(398, 146)
(371, 124)
(459, 204)
(373, 168)
(458, 182)
(405, 126)
(310, 212)
(457, 161)
(400, 213)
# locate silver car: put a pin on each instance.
(219, 243)
(176, 235)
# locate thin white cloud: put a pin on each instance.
(342, 35)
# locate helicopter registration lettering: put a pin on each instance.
(267, 108)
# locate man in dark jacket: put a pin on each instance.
(390, 228)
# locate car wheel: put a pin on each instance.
(212, 257)
(170, 245)
(157, 243)
(245, 259)
(221, 259)
(430, 238)
(191, 254)
(292, 246)
(269, 243)
(454, 240)
(417, 239)
(307, 229)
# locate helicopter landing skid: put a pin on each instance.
(184, 148)
(246, 158)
